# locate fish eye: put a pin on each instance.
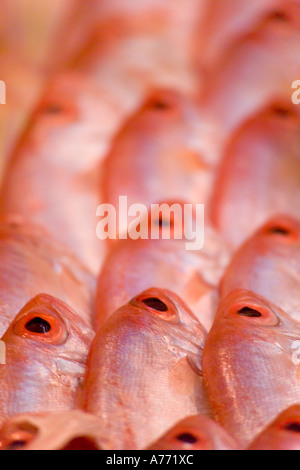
(41, 326)
(187, 438)
(159, 306)
(249, 312)
(253, 312)
(279, 16)
(58, 111)
(16, 445)
(53, 109)
(292, 426)
(20, 437)
(277, 230)
(160, 105)
(282, 112)
(282, 231)
(155, 304)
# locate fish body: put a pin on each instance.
(222, 27)
(196, 433)
(33, 263)
(259, 175)
(46, 351)
(134, 265)
(258, 69)
(268, 263)
(281, 434)
(156, 155)
(249, 365)
(52, 178)
(144, 370)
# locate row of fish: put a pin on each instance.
(141, 344)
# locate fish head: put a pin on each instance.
(251, 363)
(196, 433)
(46, 351)
(269, 264)
(157, 319)
(282, 19)
(69, 430)
(247, 317)
(74, 117)
(163, 311)
(281, 434)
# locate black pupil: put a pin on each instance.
(279, 16)
(280, 231)
(187, 438)
(38, 325)
(53, 109)
(249, 312)
(156, 304)
(16, 445)
(282, 112)
(160, 105)
(165, 223)
(294, 427)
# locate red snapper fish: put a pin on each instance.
(269, 264)
(65, 430)
(281, 434)
(259, 174)
(259, 68)
(134, 265)
(144, 370)
(157, 155)
(224, 23)
(251, 364)
(31, 263)
(133, 48)
(196, 433)
(46, 350)
(52, 179)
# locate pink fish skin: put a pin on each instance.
(196, 433)
(265, 181)
(248, 365)
(135, 47)
(256, 70)
(281, 434)
(65, 430)
(155, 156)
(46, 350)
(52, 178)
(144, 370)
(268, 263)
(31, 263)
(132, 266)
(222, 27)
